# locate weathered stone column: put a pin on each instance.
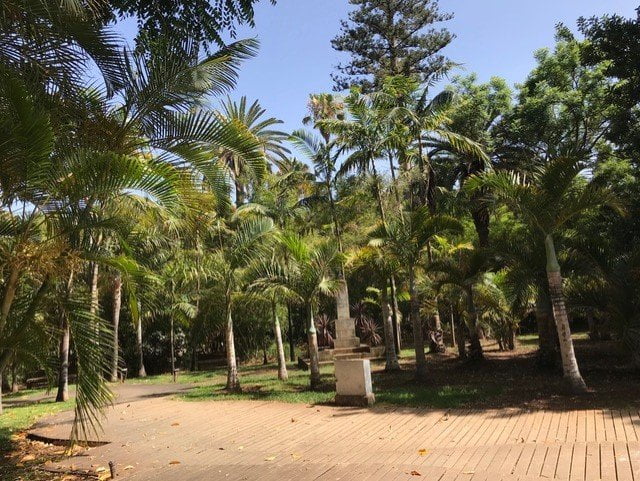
(345, 327)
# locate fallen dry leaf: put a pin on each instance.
(270, 458)
(28, 457)
(175, 424)
(296, 455)
(240, 448)
(415, 473)
(127, 467)
(468, 472)
(422, 452)
(174, 462)
(100, 469)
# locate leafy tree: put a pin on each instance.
(386, 38)
(206, 22)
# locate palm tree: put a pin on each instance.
(247, 169)
(235, 250)
(548, 201)
(407, 239)
(304, 272)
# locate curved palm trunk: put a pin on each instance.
(476, 347)
(391, 363)
(117, 302)
(569, 361)
(314, 362)
(282, 361)
(142, 372)
(416, 324)
(233, 380)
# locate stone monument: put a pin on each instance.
(345, 327)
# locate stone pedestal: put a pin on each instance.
(345, 328)
(353, 382)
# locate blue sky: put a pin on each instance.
(494, 37)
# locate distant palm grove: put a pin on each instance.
(151, 220)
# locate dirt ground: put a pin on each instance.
(514, 379)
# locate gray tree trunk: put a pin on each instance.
(63, 373)
(474, 330)
(282, 360)
(391, 363)
(117, 302)
(142, 372)
(569, 362)
(314, 362)
(233, 379)
(416, 324)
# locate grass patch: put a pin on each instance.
(185, 377)
(261, 383)
(19, 418)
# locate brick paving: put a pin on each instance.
(160, 438)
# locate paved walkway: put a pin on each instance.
(163, 439)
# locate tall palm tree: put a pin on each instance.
(553, 196)
(233, 254)
(304, 272)
(407, 239)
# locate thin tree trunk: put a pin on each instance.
(453, 330)
(233, 380)
(282, 361)
(460, 339)
(63, 352)
(312, 338)
(569, 362)
(391, 363)
(476, 346)
(418, 338)
(1, 406)
(142, 372)
(14, 378)
(63, 373)
(395, 312)
(547, 347)
(115, 317)
(292, 350)
(173, 352)
(8, 297)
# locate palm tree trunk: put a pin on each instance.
(476, 347)
(115, 318)
(391, 363)
(63, 352)
(1, 408)
(292, 350)
(547, 348)
(8, 297)
(142, 372)
(569, 362)
(314, 362)
(282, 360)
(233, 380)
(416, 324)
(395, 313)
(63, 373)
(173, 352)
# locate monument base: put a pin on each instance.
(355, 401)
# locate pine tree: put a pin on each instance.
(391, 37)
